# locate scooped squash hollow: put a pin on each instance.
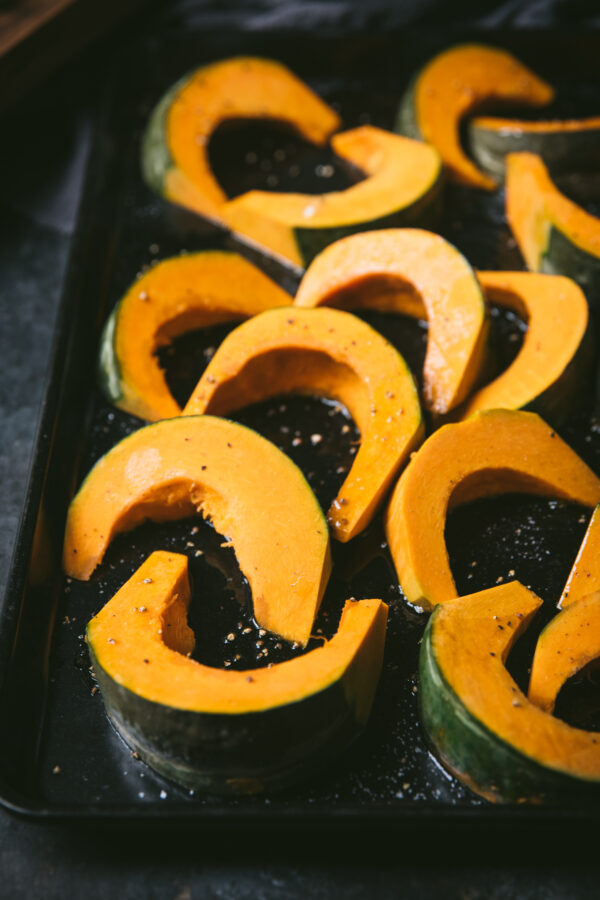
(333, 354)
(177, 295)
(225, 730)
(483, 727)
(453, 84)
(493, 452)
(417, 273)
(251, 492)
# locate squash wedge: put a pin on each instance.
(175, 296)
(584, 577)
(175, 161)
(483, 727)
(554, 234)
(251, 492)
(402, 187)
(453, 84)
(569, 145)
(547, 374)
(491, 453)
(329, 353)
(568, 643)
(222, 730)
(413, 272)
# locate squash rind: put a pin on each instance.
(480, 758)
(226, 730)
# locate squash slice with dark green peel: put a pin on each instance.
(483, 727)
(455, 83)
(567, 644)
(570, 145)
(554, 234)
(223, 730)
(177, 295)
(175, 160)
(548, 372)
(251, 492)
(402, 187)
(328, 353)
(493, 452)
(417, 273)
(584, 577)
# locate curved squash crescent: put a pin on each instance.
(454, 83)
(333, 354)
(234, 477)
(227, 730)
(177, 295)
(568, 643)
(484, 728)
(547, 371)
(491, 453)
(414, 272)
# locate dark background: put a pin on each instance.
(43, 150)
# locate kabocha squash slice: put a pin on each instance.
(554, 234)
(402, 187)
(584, 577)
(175, 296)
(223, 730)
(493, 452)
(483, 727)
(329, 353)
(417, 273)
(568, 145)
(175, 160)
(251, 492)
(453, 84)
(569, 642)
(547, 374)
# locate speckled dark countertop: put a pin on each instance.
(43, 151)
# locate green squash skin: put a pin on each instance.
(406, 117)
(478, 757)
(561, 151)
(156, 159)
(108, 371)
(558, 402)
(423, 213)
(562, 257)
(234, 754)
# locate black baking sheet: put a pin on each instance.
(58, 755)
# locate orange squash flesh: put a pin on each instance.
(535, 206)
(557, 315)
(141, 639)
(243, 87)
(584, 577)
(175, 296)
(568, 643)
(491, 453)
(333, 354)
(470, 650)
(533, 127)
(458, 81)
(399, 174)
(412, 262)
(251, 492)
